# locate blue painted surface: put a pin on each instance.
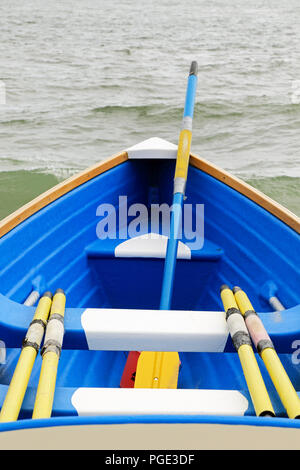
(59, 244)
(190, 96)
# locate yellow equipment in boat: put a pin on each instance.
(265, 347)
(50, 353)
(241, 340)
(157, 370)
(31, 344)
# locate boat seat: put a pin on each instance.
(130, 272)
(150, 245)
(153, 330)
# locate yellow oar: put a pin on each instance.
(160, 369)
(50, 353)
(242, 343)
(19, 382)
(265, 348)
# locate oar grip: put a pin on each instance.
(194, 68)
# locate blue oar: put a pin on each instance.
(182, 163)
(158, 369)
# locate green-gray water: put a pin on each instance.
(86, 79)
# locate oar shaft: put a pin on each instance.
(265, 347)
(51, 353)
(242, 343)
(282, 383)
(19, 382)
(171, 255)
(46, 388)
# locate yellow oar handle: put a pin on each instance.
(257, 331)
(265, 347)
(55, 328)
(50, 352)
(37, 327)
(242, 343)
(31, 344)
(236, 325)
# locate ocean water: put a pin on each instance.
(86, 79)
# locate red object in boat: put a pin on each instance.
(128, 377)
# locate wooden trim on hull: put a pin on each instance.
(64, 187)
(57, 191)
(255, 195)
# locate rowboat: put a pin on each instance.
(135, 286)
(112, 289)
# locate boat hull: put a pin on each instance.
(52, 242)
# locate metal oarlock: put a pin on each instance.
(32, 298)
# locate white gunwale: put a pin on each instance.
(64, 187)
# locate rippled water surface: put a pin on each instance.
(85, 79)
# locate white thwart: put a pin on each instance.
(154, 330)
(150, 245)
(143, 401)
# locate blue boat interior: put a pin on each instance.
(58, 247)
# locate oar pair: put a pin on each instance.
(50, 352)
(244, 324)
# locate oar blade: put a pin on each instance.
(157, 370)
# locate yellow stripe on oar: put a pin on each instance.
(242, 343)
(183, 154)
(265, 347)
(157, 370)
(19, 382)
(50, 353)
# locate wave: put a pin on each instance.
(207, 110)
